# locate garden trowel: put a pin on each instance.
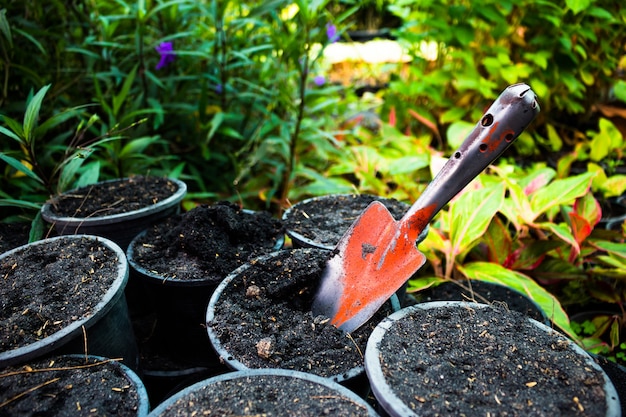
(378, 254)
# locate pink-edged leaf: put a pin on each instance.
(581, 229)
(498, 240)
(517, 207)
(471, 214)
(560, 191)
(537, 183)
(564, 233)
(589, 208)
(531, 255)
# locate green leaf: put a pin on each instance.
(619, 89)
(7, 202)
(497, 274)
(560, 191)
(31, 116)
(20, 167)
(421, 283)
(408, 164)
(471, 214)
(10, 134)
(577, 6)
(5, 28)
(457, 132)
(118, 99)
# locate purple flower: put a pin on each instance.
(319, 80)
(166, 50)
(331, 33)
(219, 89)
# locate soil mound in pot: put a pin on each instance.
(475, 360)
(322, 221)
(263, 318)
(45, 287)
(265, 393)
(113, 197)
(68, 386)
(207, 242)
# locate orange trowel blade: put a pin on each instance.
(374, 258)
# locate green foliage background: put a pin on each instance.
(238, 116)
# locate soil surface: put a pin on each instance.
(263, 318)
(113, 197)
(481, 292)
(68, 387)
(46, 287)
(13, 235)
(487, 361)
(324, 220)
(207, 242)
(262, 395)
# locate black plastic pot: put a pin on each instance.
(535, 371)
(263, 392)
(314, 343)
(320, 222)
(71, 384)
(120, 228)
(105, 330)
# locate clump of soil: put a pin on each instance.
(68, 386)
(486, 361)
(47, 286)
(324, 220)
(264, 395)
(207, 242)
(113, 197)
(263, 318)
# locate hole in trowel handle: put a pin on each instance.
(487, 120)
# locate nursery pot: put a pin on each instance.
(125, 224)
(180, 262)
(70, 384)
(265, 392)
(458, 358)
(65, 295)
(259, 317)
(320, 222)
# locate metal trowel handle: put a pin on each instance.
(501, 124)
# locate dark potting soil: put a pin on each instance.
(45, 287)
(262, 395)
(487, 361)
(325, 220)
(113, 197)
(13, 235)
(67, 387)
(263, 318)
(207, 242)
(481, 292)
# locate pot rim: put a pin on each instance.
(345, 392)
(387, 396)
(174, 199)
(59, 338)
